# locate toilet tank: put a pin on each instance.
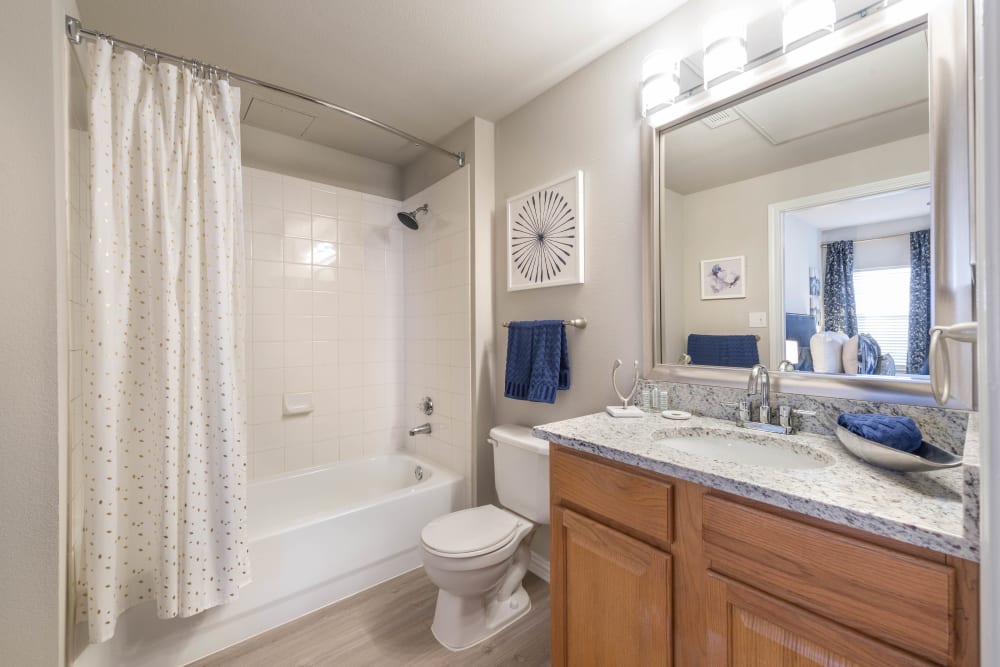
(521, 471)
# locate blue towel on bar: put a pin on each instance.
(901, 433)
(537, 361)
(738, 351)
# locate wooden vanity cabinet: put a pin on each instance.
(649, 570)
(615, 593)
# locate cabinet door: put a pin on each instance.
(747, 628)
(611, 596)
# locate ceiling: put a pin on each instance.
(895, 205)
(875, 98)
(425, 67)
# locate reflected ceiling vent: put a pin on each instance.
(720, 118)
(269, 116)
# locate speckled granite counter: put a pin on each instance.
(924, 509)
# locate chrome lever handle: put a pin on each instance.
(785, 413)
(743, 406)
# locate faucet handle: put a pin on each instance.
(785, 413)
(743, 406)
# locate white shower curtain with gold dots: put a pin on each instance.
(163, 377)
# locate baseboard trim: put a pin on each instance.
(539, 566)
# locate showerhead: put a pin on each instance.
(410, 218)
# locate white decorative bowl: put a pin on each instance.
(926, 457)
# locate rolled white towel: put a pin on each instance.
(827, 349)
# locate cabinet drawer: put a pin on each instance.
(898, 598)
(637, 504)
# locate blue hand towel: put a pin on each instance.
(738, 351)
(900, 433)
(537, 361)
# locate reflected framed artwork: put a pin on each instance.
(545, 235)
(724, 278)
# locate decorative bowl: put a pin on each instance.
(926, 457)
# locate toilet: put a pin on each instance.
(478, 557)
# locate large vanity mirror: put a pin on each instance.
(808, 217)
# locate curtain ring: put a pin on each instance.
(145, 57)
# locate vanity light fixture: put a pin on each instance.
(803, 18)
(661, 81)
(724, 39)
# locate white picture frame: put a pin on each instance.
(545, 235)
(723, 278)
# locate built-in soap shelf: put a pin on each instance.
(297, 404)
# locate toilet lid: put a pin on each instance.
(471, 532)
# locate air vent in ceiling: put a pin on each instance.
(720, 118)
(269, 116)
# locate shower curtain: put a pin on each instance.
(839, 310)
(919, 337)
(165, 419)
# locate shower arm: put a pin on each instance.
(76, 33)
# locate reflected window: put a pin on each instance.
(882, 299)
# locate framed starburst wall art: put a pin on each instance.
(545, 235)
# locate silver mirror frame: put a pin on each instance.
(949, 34)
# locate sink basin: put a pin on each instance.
(770, 454)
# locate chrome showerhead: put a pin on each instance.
(410, 218)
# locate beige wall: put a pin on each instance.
(272, 151)
(733, 220)
(33, 167)
(590, 121)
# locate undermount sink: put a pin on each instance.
(772, 453)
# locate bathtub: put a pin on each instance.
(316, 536)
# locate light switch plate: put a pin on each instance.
(758, 320)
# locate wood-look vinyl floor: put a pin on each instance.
(388, 625)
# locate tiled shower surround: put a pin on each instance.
(437, 288)
(326, 316)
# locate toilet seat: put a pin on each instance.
(471, 532)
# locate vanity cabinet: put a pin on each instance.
(616, 596)
(649, 570)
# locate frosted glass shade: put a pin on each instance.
(660, 81)
(725, 42)
(806, 17)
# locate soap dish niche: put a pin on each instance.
(297, 404)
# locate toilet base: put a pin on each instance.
(461, 623)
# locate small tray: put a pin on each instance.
(926, 457)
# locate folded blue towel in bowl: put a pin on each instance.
(900, 433)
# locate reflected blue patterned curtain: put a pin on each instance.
(920, 302)
(839, 310)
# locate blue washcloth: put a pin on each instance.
(537, 361)
(900, 433)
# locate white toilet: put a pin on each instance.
(478, 557)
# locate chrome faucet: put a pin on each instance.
(760, 383)
(423, 428)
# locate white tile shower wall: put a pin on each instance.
(438, 348)
(326, 316)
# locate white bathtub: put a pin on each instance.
(316, 536)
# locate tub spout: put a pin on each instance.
(423, 428)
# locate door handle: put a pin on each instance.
(939, 360)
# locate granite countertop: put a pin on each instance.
(927, 509)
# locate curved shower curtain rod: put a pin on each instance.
(76, 33)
